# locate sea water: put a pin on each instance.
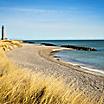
(92, 59)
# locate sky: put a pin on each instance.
(52, 19)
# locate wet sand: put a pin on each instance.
(40, 59)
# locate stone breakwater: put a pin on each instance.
(71, 46)
(79, 47)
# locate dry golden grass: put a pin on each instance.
(21, 86)
(7, 45)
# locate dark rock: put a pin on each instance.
(48, 44)
(27, 41)
(79, 47)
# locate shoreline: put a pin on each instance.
(56, 49)
(83, 68)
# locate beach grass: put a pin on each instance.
(22, 86)
(8, 45)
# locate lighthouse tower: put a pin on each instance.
(2, 38)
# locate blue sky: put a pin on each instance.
(53, 19)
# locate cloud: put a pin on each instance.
(35, 10)
(39, 10)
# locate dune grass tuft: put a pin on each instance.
(21, 86)
(7, 45)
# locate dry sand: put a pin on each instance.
(39, 58)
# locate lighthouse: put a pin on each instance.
(2, 38)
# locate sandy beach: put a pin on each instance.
(40, 59)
